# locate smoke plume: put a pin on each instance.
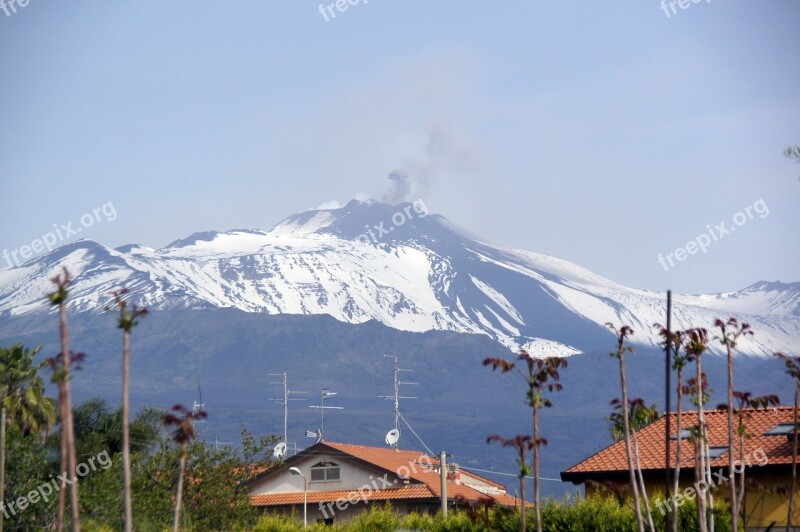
(399, 187)
(445, 158)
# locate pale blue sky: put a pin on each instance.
(603, 133)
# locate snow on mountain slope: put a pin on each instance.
(400, 265)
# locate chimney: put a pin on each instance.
(454, 473)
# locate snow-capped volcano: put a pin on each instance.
(397, 264)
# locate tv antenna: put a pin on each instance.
(217, 443)
(326, 394)
(197, 406)
(285, 401)
(394, 435)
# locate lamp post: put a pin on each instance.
(296, 471)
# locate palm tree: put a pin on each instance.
(98, 427)
(641, 415)
(697, 342)
(744, 403)
(678, 364)
(622, 334)
(537, 374)
(182, 435)
(22, 400)
(677, 339)
(61, 366)
(730, 332)
(127, 321)
(522, 444)
(543, 371)
(793, 370)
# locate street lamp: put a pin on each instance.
(295, 471)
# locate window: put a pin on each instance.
(784, 429)
(324, 472)
(716, 452)
(685, 433)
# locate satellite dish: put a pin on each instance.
(391, 437)
(279, 451)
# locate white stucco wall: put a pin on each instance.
(351, 477)
(479, 484)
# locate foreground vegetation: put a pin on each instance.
(600, 514)
(213, 497)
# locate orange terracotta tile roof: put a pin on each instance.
(296, 497)
(613, 459)
(424, 481)
(391, 459)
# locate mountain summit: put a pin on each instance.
(400, 265)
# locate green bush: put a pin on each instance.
(606, 513)
(377, 519)
(597, 514)
(278, 523)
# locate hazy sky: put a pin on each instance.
(603, 133)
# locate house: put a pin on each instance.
(344, 480)
(766, 460)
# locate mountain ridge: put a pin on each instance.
(402, 266)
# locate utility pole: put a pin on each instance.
(326, 394)
(285, 401)
(443, 479)
(396, 397)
